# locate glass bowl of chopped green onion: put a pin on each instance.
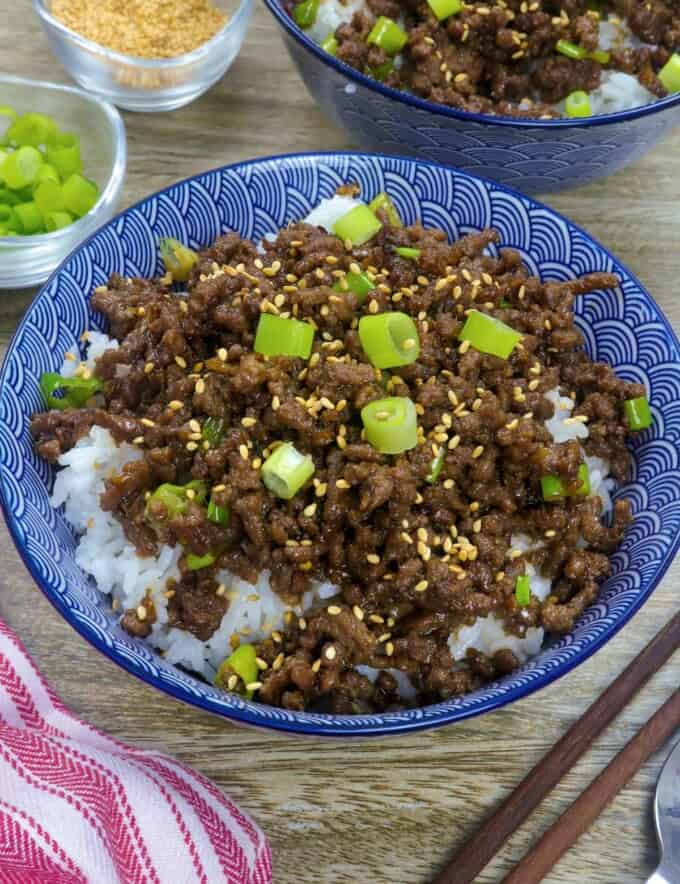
(62, 163)
(147, 84)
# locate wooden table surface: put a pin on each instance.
(380, 812)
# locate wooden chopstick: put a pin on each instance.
(592, 801)
(468, 862)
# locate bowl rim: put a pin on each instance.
(196, 55)
(373, 725)
(114, 181)
(289, 25)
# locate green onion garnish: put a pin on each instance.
(276, 336)
(20, 168)
(637, 412)
(286, 470)
(387, 34)
(444, 8)
(384, 203)
(329, 44)
(213, 431)
(553, 488)
(196, 563)
(391, 424)
(30, 217)
(80, 195)
(389, 339)
(57, 220)
(489, 335)
(670, 74)
(359, 283)
(175, 498)
(32, 129)
(436, 467)
(242, 662)
(64, 155)
(382, 71)
(408, 253)
(571, 50)
(577, 104)
(523, 590)
(76, 391)
(177, 258)
(305, 13)
(601, 56)
(49, 197)
(358, 225)
(218, 514)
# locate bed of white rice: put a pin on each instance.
(618, 91)
(254, 610)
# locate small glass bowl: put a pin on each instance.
(28, 260)
(141, 84)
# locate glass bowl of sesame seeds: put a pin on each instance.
(155, 57)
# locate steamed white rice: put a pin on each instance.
(254, 610)
(617, 91)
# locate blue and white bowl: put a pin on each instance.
(534, 156)
(624, 328)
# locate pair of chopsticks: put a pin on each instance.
(469, 861)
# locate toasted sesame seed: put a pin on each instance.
(309, 510)
(222, 354)
(138, 440)
(175, 405)
(550, 533)
(248, 421)
(389, 649)
(254, 686)
(141, 612)
(334, 610)
(232, 682)
(373, 559)
(421, 586)
(331, 653)
(191, 446)
(464, 347)
(478, 451)
(278, 662)
(316, 665)
(276, 403)
(474, 506)
(454, 442)
(358, 612)
(514, 553)
(342, 483)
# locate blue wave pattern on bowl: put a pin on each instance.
(624, 328)
(532, 157)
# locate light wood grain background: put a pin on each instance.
(381, 812)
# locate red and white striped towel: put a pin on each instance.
(77, 807)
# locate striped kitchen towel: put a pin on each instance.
(78, 806)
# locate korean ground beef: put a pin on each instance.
(414, 557)
(506, 57)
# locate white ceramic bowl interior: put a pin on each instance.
(28, 260)
(147, 85)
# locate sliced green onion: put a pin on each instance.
(601, 56)
(21, 167)
(175, 498)
(76, 391)
(523, 590)
(218, 514)
(213, 431)
(47, 172)
(577, 104)
(384, 203)
(32, 129)
(571, 50)
(64, 155)
(80, 195)
(637, 412)
(276, 336)
(305, 13)
(444, 8)
(177, 258)
(57, 221)
(389, 339)
(553, 487)
(387, 34)
(436, 466)
(49, 197)
(670, 74)
(8, 216)
(382, 71)
(358, 283)
(196, 563)
(391, 424)
(9, 197)
(489, 335)
(30, 217)
(242, 662)
(286, 470)
(358, 225)
(408, 253)
(329, 44)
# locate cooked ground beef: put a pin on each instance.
(501, 57)
(413, 560)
